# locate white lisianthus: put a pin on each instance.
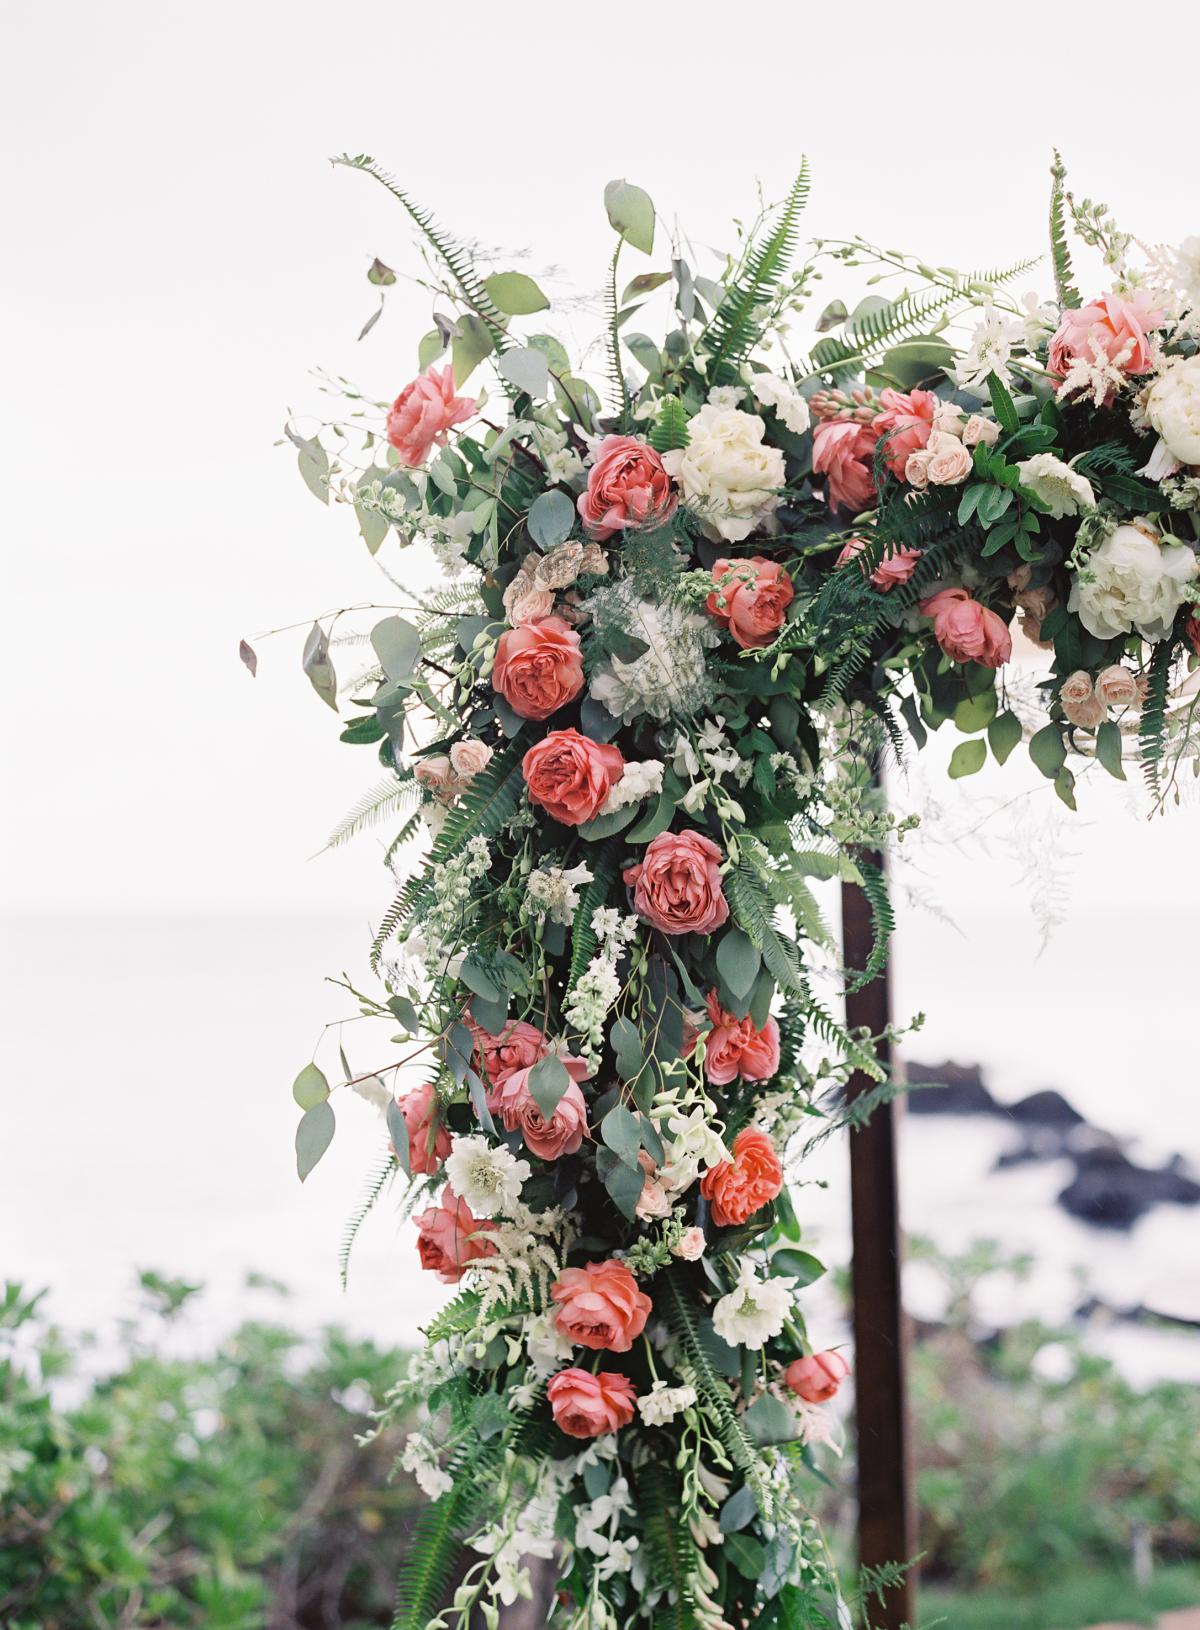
(662, 1403)
(1173, 408)
(1063, 489)
(770, 391)
(728, 477)
(486, 1175)
(1134, 581)
(755, 1310)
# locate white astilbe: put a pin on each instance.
(1099, 376)
(530, 1247)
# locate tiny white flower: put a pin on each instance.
(420, 1458)
(989, 352)
(726, 396)
(546, 1348)
(553, 891)
(486, 1175)
(662, 1403)
(772, 392)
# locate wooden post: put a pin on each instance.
(886, 1528)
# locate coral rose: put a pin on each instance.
(627, 487)
(750, 598)
(817, 1378)
(588, 1406)
(423, 413)
(842, 452)
(677, 885)
(428, 1139)
(516, 1047)
(538, 667)
(563, 1133)
(449, 1238)
(571, 776)
(737, 1188)
(733, 1047)
(1191, 631)
(967, 631)
(600, 1306)
(905, 421)
(1120, 327)
(893, 569)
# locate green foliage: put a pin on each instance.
(378, 1181)
(669, 430)
(670, 1549)
(1152, 731)
(736, 326)
(1064, 284)
(394, 795)
(213, 1493)
(591, 898)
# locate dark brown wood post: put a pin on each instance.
(886, 1527)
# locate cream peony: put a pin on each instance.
(726, 474)
(755, 1310)
(1134, 580)
(1173, 408)
(1061, 488)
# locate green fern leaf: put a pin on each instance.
(736, 326)
(391, 796)
(1064, 285)
(583, 938)
(378, 1182)
(669, 430)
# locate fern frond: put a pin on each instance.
(1064, 286)
(736, 325)
(583, 938)
(1152, 728)
(390, 796)
(669, 430)
(377, 1183)
(454, 256)
(754, 912)
(670, 1549)
(883, 922)
(612, 325)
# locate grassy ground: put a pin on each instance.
(1069, 1603)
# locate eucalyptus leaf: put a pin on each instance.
(310, 1087)
(738, 962)
(398, 1132)
(631, 213)
(1108, 749)
(527, 370)
(515, 294)
(382, 276)
(548, 1081)
(316, 664)
(769, 1420)
(1003, 734)
(624, 1184)
(1048, 750)
(313, 1136)
(627, 1047)
(550, 520)
(622, 1133)
(398, 646)
(739, 1510)
(967, 758)
(248, 655)
(470, 346)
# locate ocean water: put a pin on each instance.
(147, 1123)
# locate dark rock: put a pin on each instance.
(1111, 1192)
(1045, 1108)
(959, 1090)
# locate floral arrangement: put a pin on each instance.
(681, 620)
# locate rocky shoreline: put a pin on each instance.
(1108, 1188)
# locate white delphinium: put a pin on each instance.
(488, 1176)
(599, 985)
(755, 1310)
(989, 352)
(442, 923)
(641, 778)
(770, 391)
(419, 1457)
(1136, 580)
(553, 891)
(1062, 489)
(671, 675)
(730, 477)
(662, 1403)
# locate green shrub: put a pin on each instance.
(224, 1492)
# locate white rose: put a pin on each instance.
(1133, 581)
(770, 391)
(950, 419)
(1173, 408)
(729, 478)
(1056, 484)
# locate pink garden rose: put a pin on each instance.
(690, 1245)
(549, 1139)
(1080, 703)
(538, 667)
(600, 1306)
(893, 569)
(423, 413)
(589, 1406)
(967, 631)
(677, 885)
(428, 1139)
(906, 421)
(733, 1047)
(627, 487)
(750, 597)
(518, 1046)
(1191, 630)
(448, 1238)
(843, 451)
(570, 776)
(737, 1188)
(1121, 328)
(817, 1378)
(1117, 687)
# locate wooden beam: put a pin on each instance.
(886, 1526)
